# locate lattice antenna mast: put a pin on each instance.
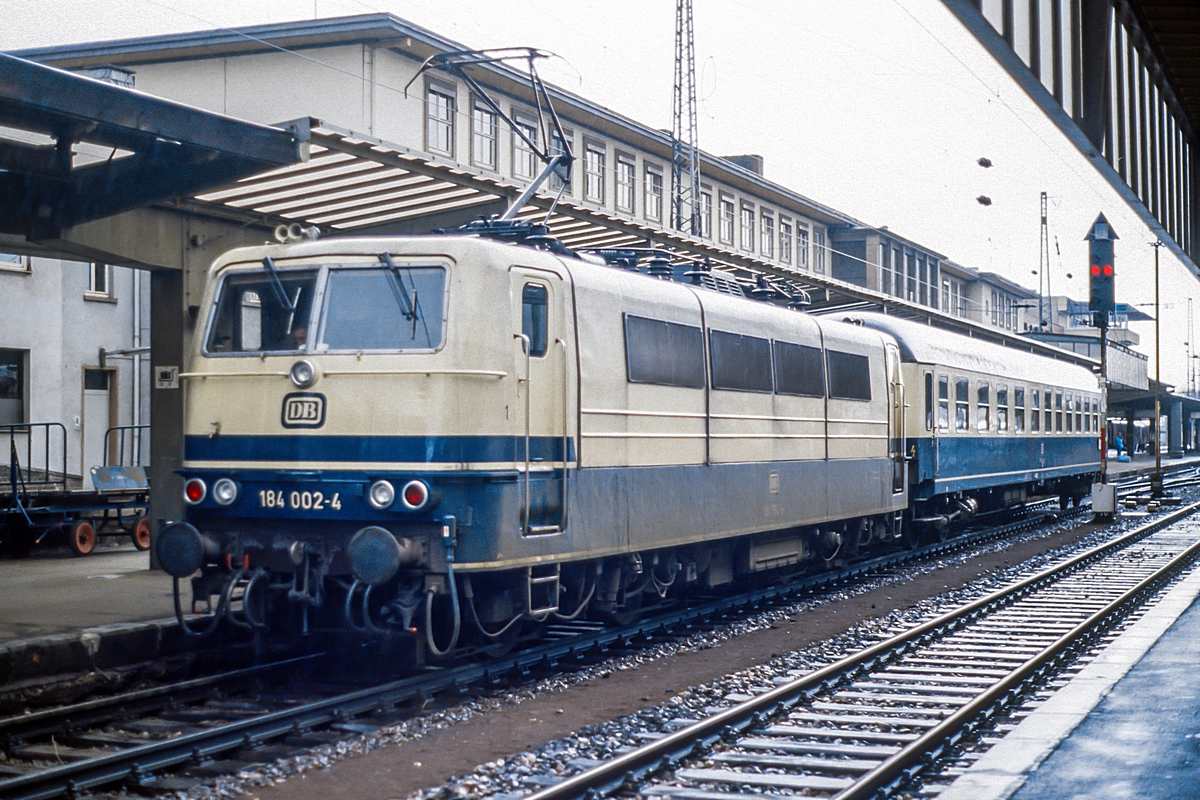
(685, 156)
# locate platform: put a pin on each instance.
(1127, 726)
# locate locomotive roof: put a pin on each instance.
(925, 344)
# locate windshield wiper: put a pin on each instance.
(408, 308)
(277, 284)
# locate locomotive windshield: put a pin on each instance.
(376, 308)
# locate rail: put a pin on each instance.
(28, 473)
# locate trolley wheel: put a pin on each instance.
(83, 537)
(141, 533)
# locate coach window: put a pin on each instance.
(1058, 412)
(1035, 411)
(962, 404)
(1096, 415)
(1087, 415)
(983, 407)
(740, 363)
(1070, 408)
(439, 117)
(849, 375)
(534, 317)
(928, 401)
(943, 403)
(1001, 408)
(799, 370)
(1078, 414)
(664, 353)
(1018, 409)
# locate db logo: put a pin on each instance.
(303, 410)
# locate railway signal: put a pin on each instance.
(1101, 276)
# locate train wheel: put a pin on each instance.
(83, 537)
(141, 533)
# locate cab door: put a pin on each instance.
(544, 353)
(896, 417)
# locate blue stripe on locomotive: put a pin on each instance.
(381, 449)
(965, 463)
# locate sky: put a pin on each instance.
(878, 108)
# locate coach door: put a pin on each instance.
(895, 419)
(544, 411)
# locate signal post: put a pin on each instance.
(1101, 304)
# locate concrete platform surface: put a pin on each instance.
(1126, 726)
(56, 592)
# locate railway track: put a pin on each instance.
(170, 736)
(873, 722)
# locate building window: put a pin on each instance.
(483, 137)
(910, 277)
(818, 251)
(525, 160)
(706, 215)
(801, 246)
(11, 262)
(439, 118)
(654, 192)
(727, 220)
(922, 281)
(593, 172)
(747, 241)
(561, 177)
(99, 281)
(785, 240)
(12, 387)
(885, 270)
(933, 283)
(898, 272)
(768, 236)
(625, 180)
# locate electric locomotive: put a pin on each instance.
(447, 437)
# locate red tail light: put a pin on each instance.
(194, 491)
(415, 495)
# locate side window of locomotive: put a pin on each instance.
(943, 403)
(384, 309)
(1035, 411)
(741, 363)
(664, 353)
(1018, 409)
(799, 370)
(849, 375)
(256, 314)
(928, 401)
(535, 324)
(983, 407)
(962, 404)
(1001, 408)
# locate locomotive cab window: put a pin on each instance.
(741, 363)
(849, 375)
(535, 318)
(257, 311)
(664, 353)
(799, 370)
(383, 309)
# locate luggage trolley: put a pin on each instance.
(39, 498)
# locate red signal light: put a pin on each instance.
(1108, 270)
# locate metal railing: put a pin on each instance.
(131, 440)
(30, 447)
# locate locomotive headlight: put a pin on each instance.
(303, 374)
(194, 491)
(225, 491)
(415, 495)
(382, 494)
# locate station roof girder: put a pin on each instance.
(74, 149)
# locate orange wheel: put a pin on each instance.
(83, 537)
(141, 533)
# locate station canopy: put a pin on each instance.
(74, 149)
